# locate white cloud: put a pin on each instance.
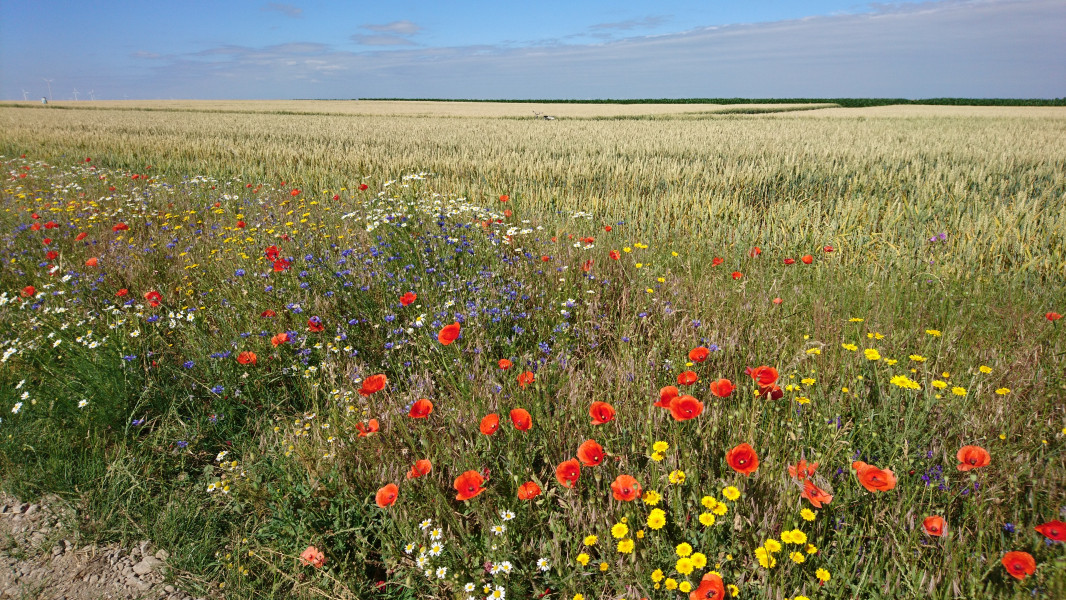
(395, 27)
(288, 10)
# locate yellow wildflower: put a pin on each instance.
(683, 549)
(590, 540)
(583, 559)
(656, 519)
(660, 446)
(706, 519)
(731, 493)
(619, 530)
(651, 497)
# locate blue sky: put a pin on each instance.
(546, 49)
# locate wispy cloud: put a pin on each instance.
(381, 40)
(628, 25)
(395, 27)
(969, 48)
(293, 12)
(145, 54)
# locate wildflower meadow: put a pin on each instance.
(386, 381)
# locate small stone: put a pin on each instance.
(146, 566)
(168, 589)
(162, 555)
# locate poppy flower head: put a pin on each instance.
(247, 358)
(614, 255)
(489, 424)
(449, 333)
(802, 469)
(874, 479)
(421, 409)
(525, 379)
(504, 198)
(153, 298)
(92, 262)
(972, 457)
(1053, 316)
(717, 261)
(771, 392)
(625, 488)
(52, 255)
(601, 413)
(120, 227)
(504, 364)
(590, 453)
(420, 468)
(1053, 530)
(374, 383)
(28, 291)
(587, 266)
(363, 187)
(267, 314)
(698, 354)
(568, 472)
(755, 251)
(807, 259)
(1019, 564)
(815, 495)
(522, 419)
(722, 388)
(408, 299)
(279, 339)
(666, 396)
(528, 491)
(763, 375)
(737, 275)
(372, 426)
(711, 588)
(933, 525)
(122, 293)
(742, 459)
(468, 485)
(240, 224)
(827, 249)
(687, 378)
(685, 407)
(387, 495)
(313, 557)
(81, 236)
(315, 324)
(272, 252)
(790, 261)
(280, 265)
(607, 228)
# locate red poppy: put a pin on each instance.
(567, 472)
(777, 301)
(698, 354)
(92, 262)
(489, 424)
(294, 193)
(815, 495)
(742, 459)
(687, 378)
(505, 364)
(614, 255)
(607, 228)
(1053, 530)
(762, 375)
(827, 248)
(387, 495)
(526, 378)
(807, 259)
(507, 213)
(279, 339)
(449, 333)
(1019, 564)
(504, 198)
(372, 426)
(247, 358)
(240, 224)
(122, 293)
(28, 291)
(52, 255)
(408, 299)
(933, 525)
(711, 588)
(772, 392)
(590, 453)
(468, 485)
(522, 419)
(737, 275)
(313, 557)
(755, 251)
(81, 236)
(363, 186)
(601, 413)
(420, 468)
(153, 298)
(374, 383)
(685, 407)
(272, 252)
(790, 261)
(280, 265)
(120, 227)
(528, 491)
(315, 325)
(1053, 316)
(872, 478)
(666, 396)
(722, 388)
(266, 314)
(421, 409)
(587, 266)
(625, 488)
(972, 457)
(35, 227)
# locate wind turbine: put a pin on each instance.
(49, 83)
(25, 96)
(92, 96)
(75, 94)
